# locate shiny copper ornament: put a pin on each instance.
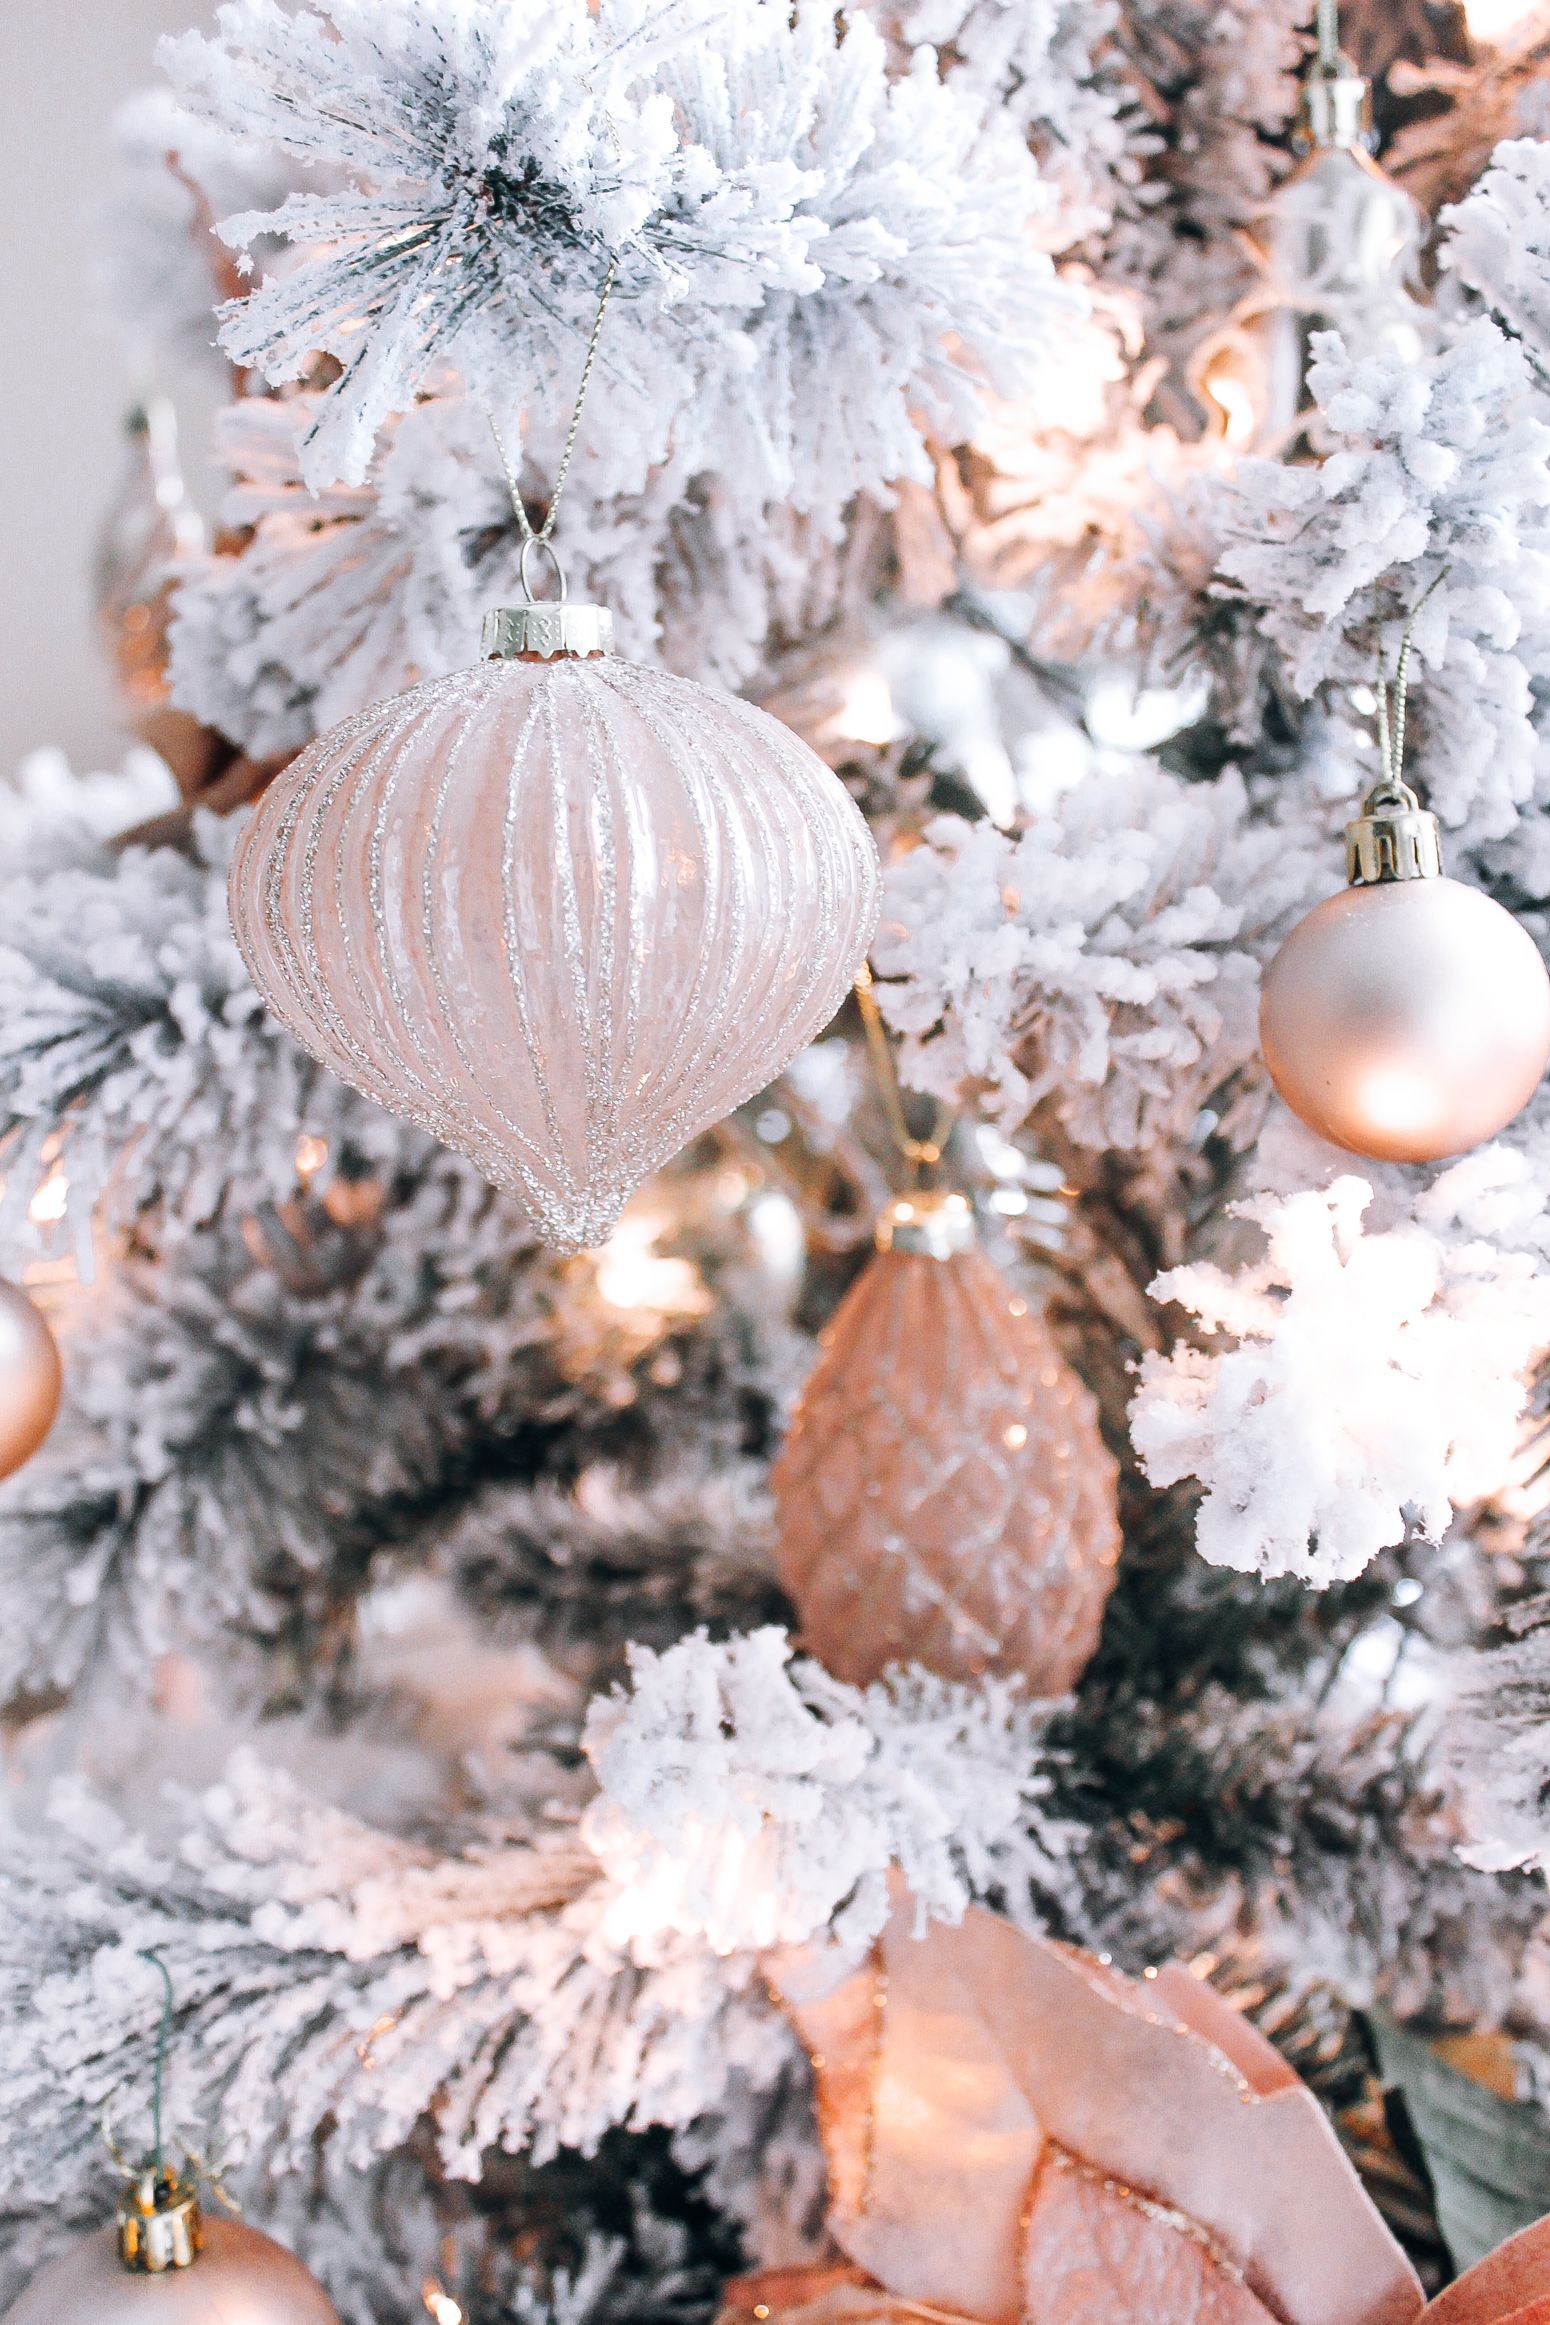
(944, 1496)
(1408, 1017)
(30, 1379)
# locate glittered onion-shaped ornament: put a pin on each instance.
(165, 2265)
(1408, 1017)
(944, 1496)
(30, 1379)
(563, 911)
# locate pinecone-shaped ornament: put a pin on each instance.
(944, 1496)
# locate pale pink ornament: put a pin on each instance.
(944, 1496)
(563, 911)
(1408, 1017)
(239, 2277)
(31, 1379)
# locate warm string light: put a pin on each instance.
(52, 1194)
(1224, 380)
(439, 2304)
(866, 712)
(49, 1204)
(311, 1157)
(632, 1275)
(1492, 20)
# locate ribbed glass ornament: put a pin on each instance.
(563, 914)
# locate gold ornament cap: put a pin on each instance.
(1394, 838)
(160, 2226)
(549, 629)
(932, 1224)
(1336, 109)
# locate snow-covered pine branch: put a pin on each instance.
(1498, 1742)
(231, 1454)
(130, 1033)
(1101, 963)
(339, 599)
(1369, 1379)
(1497, 241)
(754, 1802)
(527, 1991)
(815, 257)
(1440, 474)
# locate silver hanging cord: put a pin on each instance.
(1329, 35)
(540, 539)
(1391, 723)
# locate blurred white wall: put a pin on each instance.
(65, 65)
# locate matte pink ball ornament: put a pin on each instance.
(1407, 1018)
(562, 910)
(165, 2264)
(31, 1378)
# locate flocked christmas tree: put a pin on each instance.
(1046, 468)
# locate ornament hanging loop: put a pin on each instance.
(1391, 731)
(159, 2223)
(544, 547)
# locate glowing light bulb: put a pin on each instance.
(632, 1274)
(1492, 20)
(47, 1207)
(440, 2305)
(311, 1155)
(866, 713)
(1233, 400)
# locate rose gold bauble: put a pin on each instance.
(565, 913)
(30, 1379)
(239, 2278)
(1407, 1020)
(944, 1496)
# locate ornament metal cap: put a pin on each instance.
(1394, 838)
(1336, 108)
(550, 629)
(160, 2226)
(932, 1224)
